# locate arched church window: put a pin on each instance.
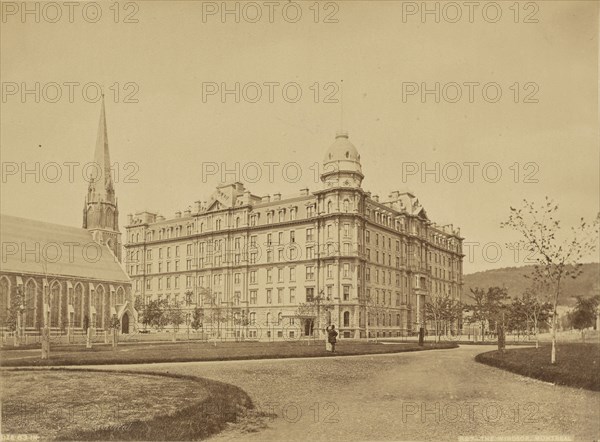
(4, 300)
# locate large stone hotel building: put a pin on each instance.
(281, 268)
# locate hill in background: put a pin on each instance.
(513, 278)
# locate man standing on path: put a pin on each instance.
(331, 337)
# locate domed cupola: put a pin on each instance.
(341, 165)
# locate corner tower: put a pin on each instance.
(101, 212)
(341, 165)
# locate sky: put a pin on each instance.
(515, 114)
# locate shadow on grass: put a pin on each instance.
(577, 364)
(224, 404)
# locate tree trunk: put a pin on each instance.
(45, 343)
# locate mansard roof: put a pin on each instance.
(37, 247)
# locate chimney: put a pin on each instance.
(376, 198)
(266, 199)
(188, 212)
(198, 206)
(129, 218)
(304, 192)
(395, 195)
(277, 197)
(178, 214)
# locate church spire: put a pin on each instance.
(101, 183)
(101, 214)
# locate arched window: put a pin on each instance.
(99, 304)
(237, 222)
(346, 206)
(346, 319)
(201, 227)
(4, 300)
(268, 319)
(252, 317)
(329, 206)
(120, 296)
(218, 225)
(55, 304)
(78, 305)
(30, 303)
(110, 216)
(279, 318)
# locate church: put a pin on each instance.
(64, 277)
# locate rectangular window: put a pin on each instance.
(309, 235)
(253, 277)
(279, 296)
(279, 275)
(280, 238)
(330, 270)
(310, 273)
(310, 294)
(292, 236)
(292, 295)
(253, 296)
(148, 268)
(269, 296)
(237, 278)
(346, 270)
(269, 275)
(346, 293)
(292, 274)
(346, 230)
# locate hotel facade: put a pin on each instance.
(283, 268)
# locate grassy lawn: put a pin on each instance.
(196, 351)
(578, 364)
(88, 405)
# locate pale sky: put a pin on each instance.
(170, 132)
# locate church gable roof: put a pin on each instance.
(37, 247)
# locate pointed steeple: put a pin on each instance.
(101, 183)
(101, 213)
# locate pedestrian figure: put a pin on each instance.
(331, 337)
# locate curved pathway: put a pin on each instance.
(430, 395)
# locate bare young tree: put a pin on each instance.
(556, 259)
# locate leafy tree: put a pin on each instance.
(443, 311)
(584, 314)
(555, 259)
(174, 316)
(489, 308)
(113, 324)
(154, 314)
(197, 318)
(15, 308)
